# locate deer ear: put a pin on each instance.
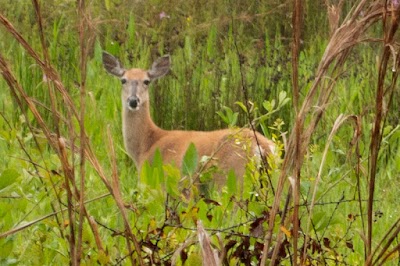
(112, 65)
(160, 67)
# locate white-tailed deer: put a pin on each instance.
(228, 149)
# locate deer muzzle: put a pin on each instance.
(133, 103)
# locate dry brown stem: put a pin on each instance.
(60, 144)
(334, 12)
(297, 14)
(342, 40)
(391, 24)
(210, 256)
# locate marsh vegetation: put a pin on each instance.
(319, 78)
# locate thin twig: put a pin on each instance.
(391, 27)
(28, 224)
(83, 43)
(336, 52)
(339, 121)
(296, 22)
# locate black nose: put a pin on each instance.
(133, 103)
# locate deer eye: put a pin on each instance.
(146, 82)
(123, 81)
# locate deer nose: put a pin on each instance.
(133, 102)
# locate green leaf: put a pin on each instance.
(244, 108)
(131, 31)
(223, 117)
(144, 172)
(282, 96)
(6, 247)
(146, 175)
(284, 102)
(264, 128)
(190, 160)
(107, 3)
(228, 116)
(172, 179)
(157, 161)
(283, 99)
(8, 177)
(188, 48)
(103, 258)
(305, 187)
(269, 105)
(234, 119)
(321, 220)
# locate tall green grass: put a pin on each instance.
(212, 43)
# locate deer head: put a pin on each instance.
(135, 81)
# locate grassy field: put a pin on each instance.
(327, 94)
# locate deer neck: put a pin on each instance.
(139, 132)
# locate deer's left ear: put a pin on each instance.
(160, 67)
(113, 65)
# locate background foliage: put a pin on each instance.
(225, 55)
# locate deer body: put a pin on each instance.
(228, 149)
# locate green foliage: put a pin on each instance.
(7, 246)
(170, 216)
(228, 116)
(7, 178)
(204, 91)
(189, 163)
